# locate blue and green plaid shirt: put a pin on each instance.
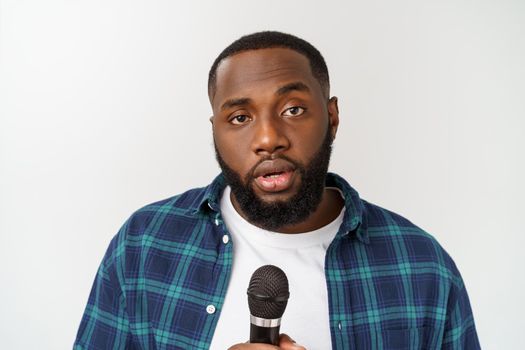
(162, 282)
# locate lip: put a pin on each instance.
(274, 175)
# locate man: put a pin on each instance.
(361, 277)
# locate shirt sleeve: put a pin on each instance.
(105, 323)
(460, 331)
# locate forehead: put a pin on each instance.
(264, 70)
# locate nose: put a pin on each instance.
(269, 137)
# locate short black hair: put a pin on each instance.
(273, 39)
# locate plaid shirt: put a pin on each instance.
(162, 282)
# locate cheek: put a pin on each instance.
(306, 144)
(233, 150)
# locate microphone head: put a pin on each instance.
(268, 292)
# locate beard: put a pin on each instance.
(273, 215)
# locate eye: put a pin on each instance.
(294, 111)
(239, 119)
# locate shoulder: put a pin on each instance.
(161, 225)
(180, 207)
(156, 237)
(396, 238)
(381, 216)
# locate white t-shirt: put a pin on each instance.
(301, 256)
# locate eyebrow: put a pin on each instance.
(283, 90)
(295, 86)
(234, 102)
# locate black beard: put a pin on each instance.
(274, 215)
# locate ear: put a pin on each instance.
(333, 115)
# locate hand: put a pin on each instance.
(285, 343)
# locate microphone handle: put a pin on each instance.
(265, 335)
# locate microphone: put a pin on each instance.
(268, 295)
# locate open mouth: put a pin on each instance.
(275, 182)
(274, 175)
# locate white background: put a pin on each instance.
(103, 109)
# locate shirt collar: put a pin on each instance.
(354, 220)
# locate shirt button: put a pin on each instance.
(225, 239)
(210, 309)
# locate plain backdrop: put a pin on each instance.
(103, 109)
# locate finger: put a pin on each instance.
(253, 346)
(285, 339)
(287, 343)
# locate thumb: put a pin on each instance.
(287, 343)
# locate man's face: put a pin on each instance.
(272, 128)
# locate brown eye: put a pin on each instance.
(239, 119)
(294, 111)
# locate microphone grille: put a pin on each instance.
(268, 292)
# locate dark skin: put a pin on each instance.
(285, 343)
(267, 104)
